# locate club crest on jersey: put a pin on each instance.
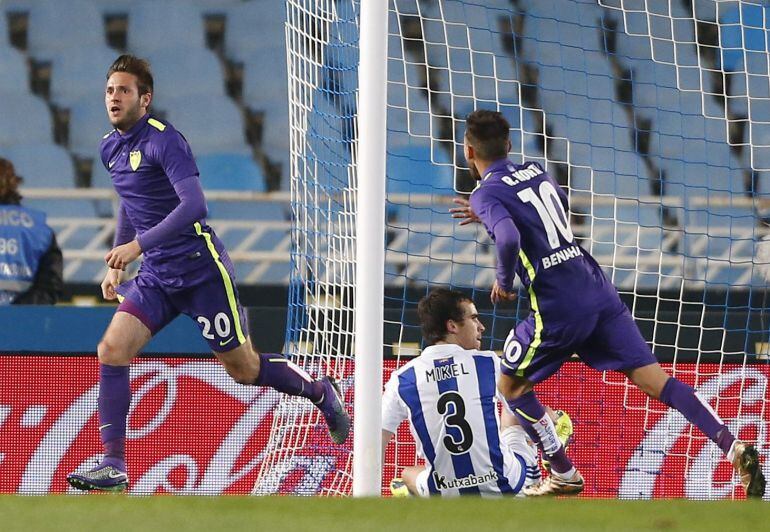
(135, 159)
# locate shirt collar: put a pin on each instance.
(496, 166)
(135, 129)
(441, 351)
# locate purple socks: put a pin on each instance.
(679, 396)
(539, 426)
(114, 400)
(277, 372)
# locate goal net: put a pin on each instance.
(651, 115)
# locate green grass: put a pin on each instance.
(177, 514)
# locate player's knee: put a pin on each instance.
(111, 353)
(513, 388)
(241, 375)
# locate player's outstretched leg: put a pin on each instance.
(279, 373)
(564, 431)
(114, 400)
(564, 478)
(674, 393)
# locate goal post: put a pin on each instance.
(370, 248)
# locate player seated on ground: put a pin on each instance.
(186, 270)
(575, 308)
(449, 395)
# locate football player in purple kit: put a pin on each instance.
(575, 308)
(185, 270)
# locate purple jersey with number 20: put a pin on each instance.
(188, 270)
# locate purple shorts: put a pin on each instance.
(607, 340)
(207, 294)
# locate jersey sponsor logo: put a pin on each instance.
(442, 373)
(135, 159)
(465, 482)
(563, 255)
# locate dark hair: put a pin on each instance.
(9, 184)
(487, 132)
(440, 305)
(136, 66)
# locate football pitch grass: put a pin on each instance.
(177, 514)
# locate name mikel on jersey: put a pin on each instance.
(442, 373)
(560, 256)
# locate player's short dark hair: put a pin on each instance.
(440, 305)
(487, 131)
(9, 183)
(138, 67)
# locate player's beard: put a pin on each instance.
(474, 172)
(130, 117)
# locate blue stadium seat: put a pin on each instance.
(4, 34)
(81, 75)
(25, 119)
(249, 19)
(42, 164)
(265, 80)
(214, 124)
(87, 125)
(224, 171)
(15, 76)
(154, 24)
(185, 72)
(62, 28)
(743, 38)
(246, 210)
(410, 170)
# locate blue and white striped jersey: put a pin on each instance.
(449, 395)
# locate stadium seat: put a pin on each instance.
(15, 76)
(410, 170)
(42, 164)
(264, 78)
(224, 171)
(247, 19)
(185, 72)
(743, 34)
(246, 210)
(87, 125)
(25, 119)
(63, 28)
(81, 75)
(154, 24)
(4, 33)
(211, 124)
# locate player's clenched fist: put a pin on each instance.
(498, 294)
(110, 283)
(121, 256)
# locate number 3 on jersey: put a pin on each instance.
(551, 212)
(456, 420)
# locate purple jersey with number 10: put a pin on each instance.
(563, 280)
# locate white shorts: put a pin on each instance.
(513, 441)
